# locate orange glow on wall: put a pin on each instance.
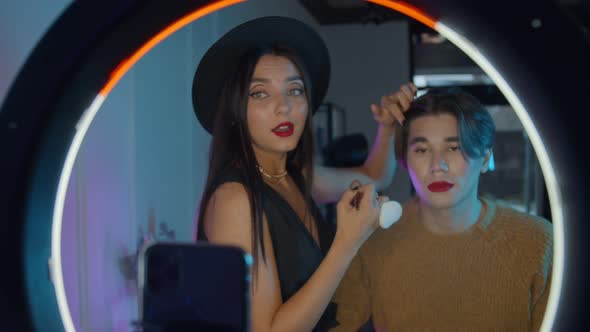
(126, 64)
(408, 10)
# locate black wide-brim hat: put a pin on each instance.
(224, 55)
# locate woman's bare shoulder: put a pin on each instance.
(228, 215)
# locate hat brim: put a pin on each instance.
(215, 66)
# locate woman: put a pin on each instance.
(455, 261)
(255, 90)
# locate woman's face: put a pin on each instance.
(277, 105)
(440, 174)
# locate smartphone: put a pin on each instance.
(194, 287)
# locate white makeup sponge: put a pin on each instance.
(391, 211)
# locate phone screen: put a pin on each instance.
(194, 287)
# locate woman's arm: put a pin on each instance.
(380, 166)
(228, 221)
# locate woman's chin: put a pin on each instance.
(281, 149)
(286, 147)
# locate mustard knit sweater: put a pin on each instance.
(493, 277)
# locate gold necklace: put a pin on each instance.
(275, 177)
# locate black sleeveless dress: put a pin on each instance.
(296, 253)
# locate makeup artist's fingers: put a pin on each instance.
(355, 225)
(393, 106)
(347, 200)
(409, 91)
(355, 184)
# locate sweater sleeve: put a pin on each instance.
(541, 282)
(352, 297)
(539, 295)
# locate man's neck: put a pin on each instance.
(453, 220)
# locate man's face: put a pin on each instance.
(440, 174)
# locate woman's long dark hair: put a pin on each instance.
(231, 145)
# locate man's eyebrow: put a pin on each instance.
(421, 139)
(418, 139)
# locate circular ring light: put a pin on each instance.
(116, 36)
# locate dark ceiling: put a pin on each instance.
(349, 12)
(360, 11)
(430, 57)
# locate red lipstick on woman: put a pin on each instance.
(440, 186)
(284, 129)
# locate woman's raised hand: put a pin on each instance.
(393, 106)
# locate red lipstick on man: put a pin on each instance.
(440, 186)
(284, 129)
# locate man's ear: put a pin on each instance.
(488, 162)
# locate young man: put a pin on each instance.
(455, 261)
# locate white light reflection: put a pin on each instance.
(548, 171)
(55, 260)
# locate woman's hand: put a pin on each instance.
(393, 106)
(357, 215)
